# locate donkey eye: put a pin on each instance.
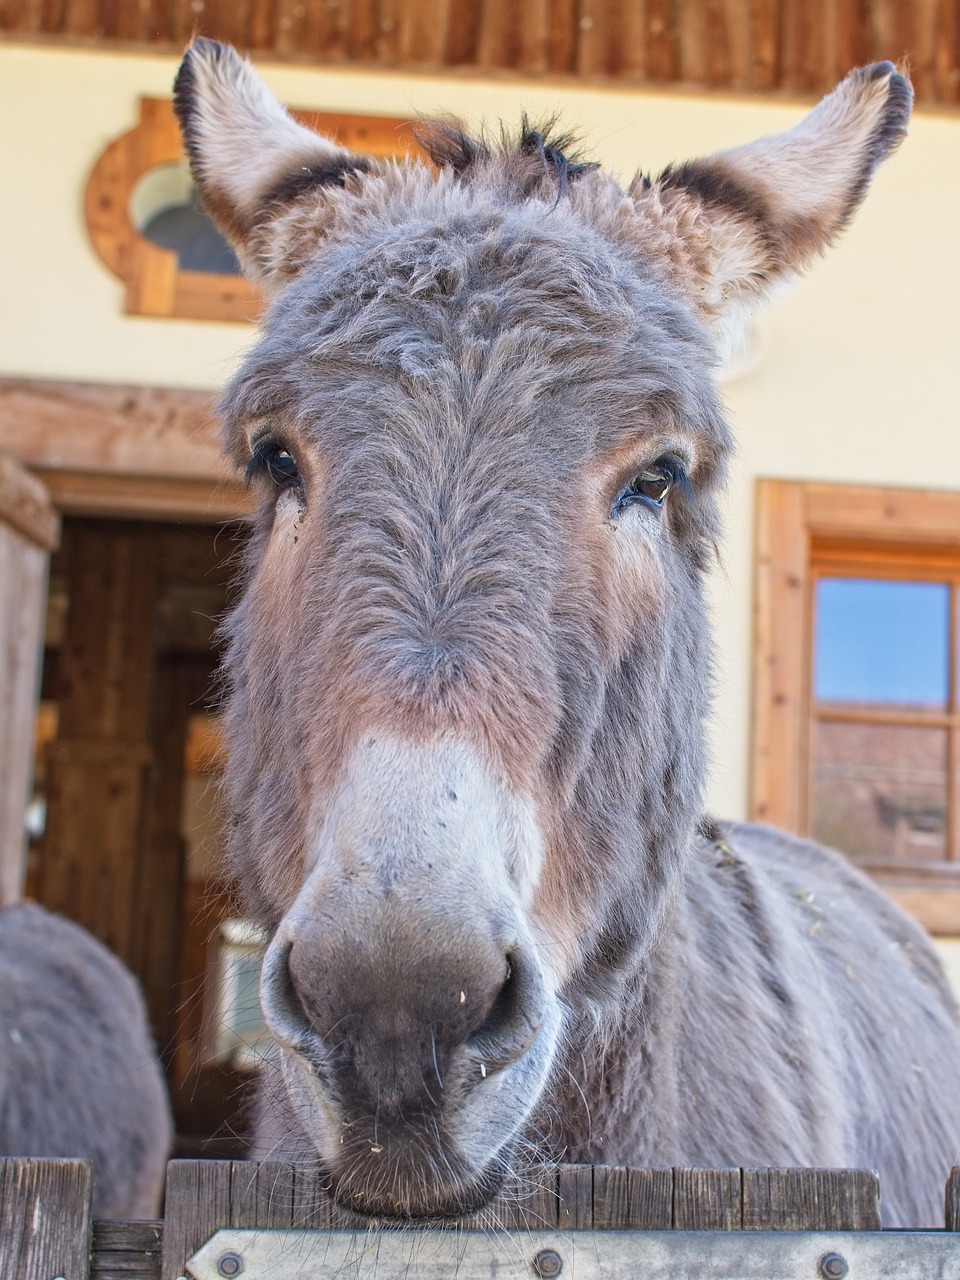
(274, 459)
(650, 486)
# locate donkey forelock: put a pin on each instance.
(469, 671)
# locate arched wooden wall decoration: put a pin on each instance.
(155, 283)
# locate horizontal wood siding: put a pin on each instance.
(760, 46)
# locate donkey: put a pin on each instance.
(79, 1076)
(467, 677)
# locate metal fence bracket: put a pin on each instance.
(411, 1254)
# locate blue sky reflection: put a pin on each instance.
(882, 642)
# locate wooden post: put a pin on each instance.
(45, 1219)
(951, 1201)
(29, 529)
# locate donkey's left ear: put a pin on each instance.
(250, 159)
(758, 214)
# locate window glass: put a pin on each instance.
(882, 642)
(198, 244)
(241, 1033)
(880, 790)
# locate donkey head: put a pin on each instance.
(468, 674)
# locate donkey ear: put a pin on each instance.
(249, 158)
(758, 214)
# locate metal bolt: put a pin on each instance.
(833, 1266)
(548, 1264)
(229, 1264)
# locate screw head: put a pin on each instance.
(833, 1266)
(548, 1264)
(229, 1265)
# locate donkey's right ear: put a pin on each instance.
(250, 159)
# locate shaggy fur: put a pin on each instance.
(468, 677)
(79, 1075)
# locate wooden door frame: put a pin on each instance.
(146, 453)
(29, 531)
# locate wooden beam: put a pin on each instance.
(89, 427)
(87, 493)
(149, 452)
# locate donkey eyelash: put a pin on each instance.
(652, 484)
(272, 458)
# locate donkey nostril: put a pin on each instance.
(515, 1015)
(283, 1008)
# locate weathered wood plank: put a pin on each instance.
(126, 430)
(663, 44)
(810, 1200)
(530, 1204)
(310, 1205)
(262, 1195)
(707, 1200)
(23, 589)
(562, 37)
(310, 1201)
(45, 1219)
(422, 29)
(764, 45)
(575, 1189)
(126, 1250)
(632, 1199)
(197, 1204)
(952, 1201)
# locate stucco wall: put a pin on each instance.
(860, 381)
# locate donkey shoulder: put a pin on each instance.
(815, 1016)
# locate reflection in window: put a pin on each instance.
(241, 1033)
(880, 790)
(883, 717)
(882, 642)
(164, 208)
(198, 244)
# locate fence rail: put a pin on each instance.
(47, 1231)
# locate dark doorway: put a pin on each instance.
(127, 829)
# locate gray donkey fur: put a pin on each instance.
(79, 1076)
(467, 680)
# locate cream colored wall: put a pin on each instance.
(860, 381)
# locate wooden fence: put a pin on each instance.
(821, 1224)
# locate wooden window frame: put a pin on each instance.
(799, 523)
(155, 285)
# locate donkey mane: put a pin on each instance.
(537, 155)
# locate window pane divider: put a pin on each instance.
(853, 713)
